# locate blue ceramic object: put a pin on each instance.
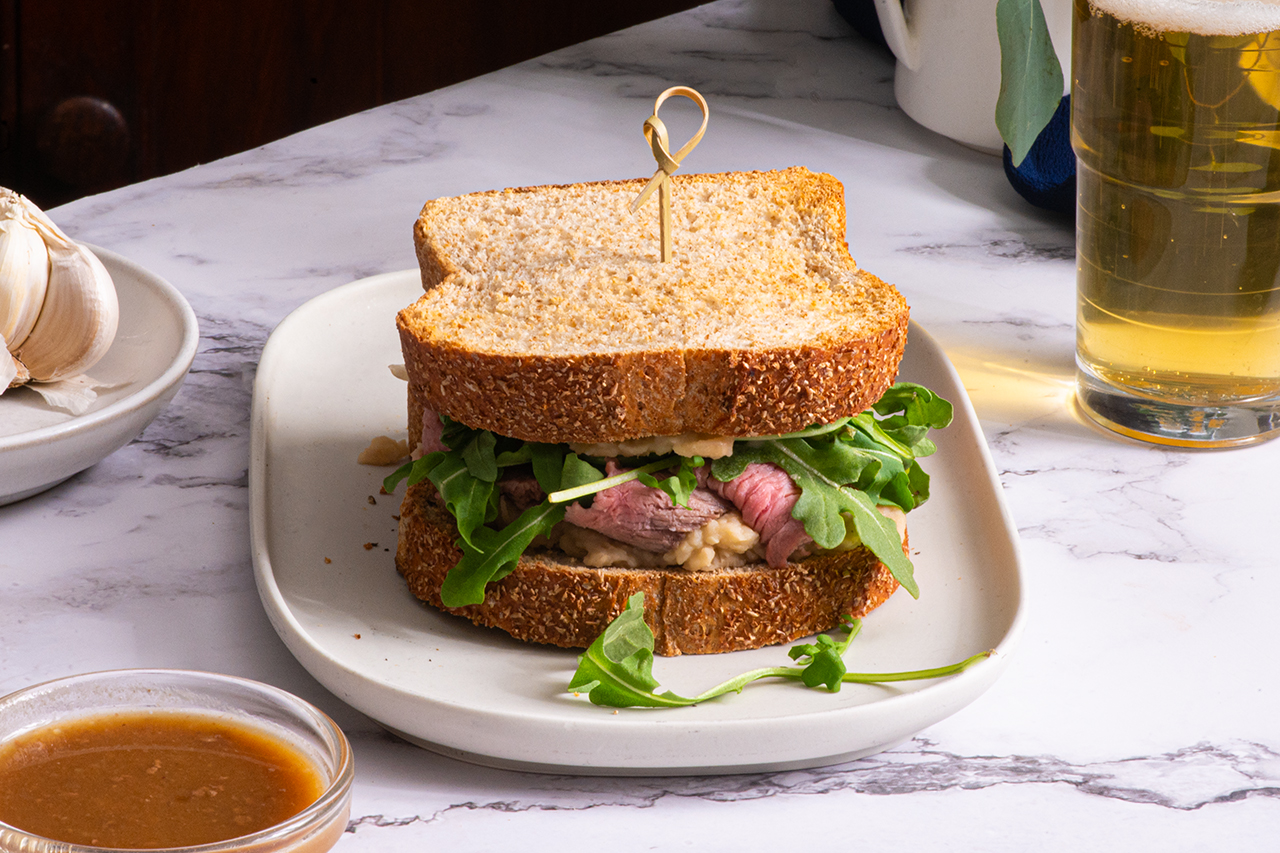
(1047, 176)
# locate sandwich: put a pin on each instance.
(721, 432)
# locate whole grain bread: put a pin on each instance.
(551, 598)
(548, 315)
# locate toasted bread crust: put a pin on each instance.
(613, 397)
(837, 369)
(549, 598)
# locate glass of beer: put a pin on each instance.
(1176, 130)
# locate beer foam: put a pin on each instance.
(1204, 17)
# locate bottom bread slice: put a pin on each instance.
(551, 598)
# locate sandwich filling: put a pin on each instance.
(692, 502)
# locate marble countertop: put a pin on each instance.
(1140, 711)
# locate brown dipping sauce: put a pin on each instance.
(149, 779)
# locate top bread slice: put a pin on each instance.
(549, 316)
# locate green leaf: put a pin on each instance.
(548, 464)
(918, 483)
(453, 434)
(907, 404)
(479, 456)
(471, 500)
(907, 413)
(1030, 76)
(813, 431)
(881, 537)
(825, 665)
(617, 669)
(576, 471)
(393, 479)
(520, 454)
(680, 485)
(823, 501)
(491, 554)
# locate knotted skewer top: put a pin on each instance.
(656, 133)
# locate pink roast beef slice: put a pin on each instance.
(644, 516)
(765, 495)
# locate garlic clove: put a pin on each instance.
(80, 314)
(10, 369)
(24, 269)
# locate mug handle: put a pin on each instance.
(893, 23)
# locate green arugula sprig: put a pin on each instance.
(467, 476)
(617, 670)
(843, 473)
(843, 469)
(678, 485)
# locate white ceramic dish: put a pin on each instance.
(323, 542)
(41, 446)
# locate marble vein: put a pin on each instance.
(1005, 248)
(1188, 779)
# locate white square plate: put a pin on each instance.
(323, 545)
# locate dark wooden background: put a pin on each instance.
(96, 95)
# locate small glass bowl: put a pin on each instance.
(257, 706)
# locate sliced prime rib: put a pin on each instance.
(644, 516)
(521, 488)
(432, 432)
(765, 495)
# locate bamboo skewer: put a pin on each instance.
(656, 134)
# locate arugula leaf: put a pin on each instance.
(680, 485)
(472, 501)
(548, 464)
(811, 432)
(454, 434)
(823, 471)
(518, 455)
(491, 554)
(617, 669)
(825, 666)
(891, 483)
(479, 456)
(881, 537)
(404, 472)
(908, 411)
(576, 471)
(466, 477)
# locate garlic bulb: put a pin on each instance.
(24, 271)
(58, 305)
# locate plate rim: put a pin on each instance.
(338, 677)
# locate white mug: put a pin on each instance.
(948, 74)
